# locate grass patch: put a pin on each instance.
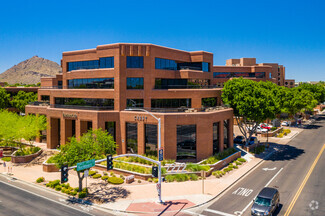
(7, 159)
(220, 156)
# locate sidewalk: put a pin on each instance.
(142, 197)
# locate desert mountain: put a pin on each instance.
(30, 71)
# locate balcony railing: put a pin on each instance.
(185, 109)
(185, 87)
(82, 107)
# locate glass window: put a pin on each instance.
(209, 102)
(134, 103)
(270, 74)
(134, 83)
(215, 138)
(165, 64)
(95, 83)
(131, 138)
(83, 65)
(205, 67)
(45, 98)
(85, 103)
(221, 75)
(170, 103)
(151, 139)
(134, 61)
(226, 134)
(186, 142)
(107, 62)
(110, 127)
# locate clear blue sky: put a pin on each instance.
(291, 33)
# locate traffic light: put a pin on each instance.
(64, 173)
(109, 162)
(154, 171)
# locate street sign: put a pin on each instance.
(85, 165)
(86, 173)
(161, 154)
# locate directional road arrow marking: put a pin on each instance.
(267, 169)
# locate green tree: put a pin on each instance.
(252, 102)
(20, 100)
(94, 144)
(298, 100)
(318, 90)
(4, 98)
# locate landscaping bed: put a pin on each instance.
(26, 155)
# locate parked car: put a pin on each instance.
(253, 140)
(266, 202)
(258, 129)
(239, 140)
(285, 123)
(265, 126)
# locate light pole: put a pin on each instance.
(159, 146)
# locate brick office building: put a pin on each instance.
(98, 85)
(249, 69)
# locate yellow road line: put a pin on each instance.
(304, 182)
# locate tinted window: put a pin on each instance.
(165, 64)
(104, 83)
(132, 138)
(215, 138)
(84, 102)
(83, 65)
(110, 127)
(225, 133)
(170, 103)
(134, 103)
(186, 141)
(134, 61)
(134, 83)
(151, 139)
(107, 62)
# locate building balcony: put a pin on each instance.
(81, 107)
(184, 109)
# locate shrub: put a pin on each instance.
(218, 173)
(105, 177)
(241, 160)
(121, 176)
(149, 179)
(92, 172)
(287, 131)
(54, 183)
(67, 186)
(155, 180)
(76, 189)
(139, 181)
(238, 163)
(7, 159)
(230, 166)
(259, 149)
(111, 173)
(221, 155)
(280, 135)
(105, 173)
(85, 190)
(170, 178)
(228, 169)
(235, 167)
(58, 187)
(82, 195)
(27, 151)
(96, 176)
(193, 177)
(73, 193)
(48, 185)
(52, 159)
(196, 167)
(115, 180)
(40, 179)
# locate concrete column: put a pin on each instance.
(68, 129)
(196, 103)
(63, 131)
(52, 133)
(231, 133)
(204, 140)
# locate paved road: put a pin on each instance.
(286, 170)
(17, 199)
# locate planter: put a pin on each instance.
(50, 167)
(26, 158)
(222, 163)
(272, 133)
(124, 172)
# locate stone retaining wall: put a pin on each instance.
(26, 158)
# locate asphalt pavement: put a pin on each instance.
(285, 170)
(17, 198)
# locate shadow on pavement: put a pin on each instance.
(286, 152)
(277, 211)
(312, 126)
(103, 192)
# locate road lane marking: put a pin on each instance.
(273, 177)
(251, 202)
(43, 197)
(192, 213)
(243, 191)
(269, 169)
(218, 212)
(304, 182)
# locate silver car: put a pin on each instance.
(266, 202)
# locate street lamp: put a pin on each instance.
(159, 146)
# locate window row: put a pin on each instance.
(186, 139)
(103, 83)
(167, 64)
(238, 74)
(107, 62)
(84, 102)
(181, 83)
